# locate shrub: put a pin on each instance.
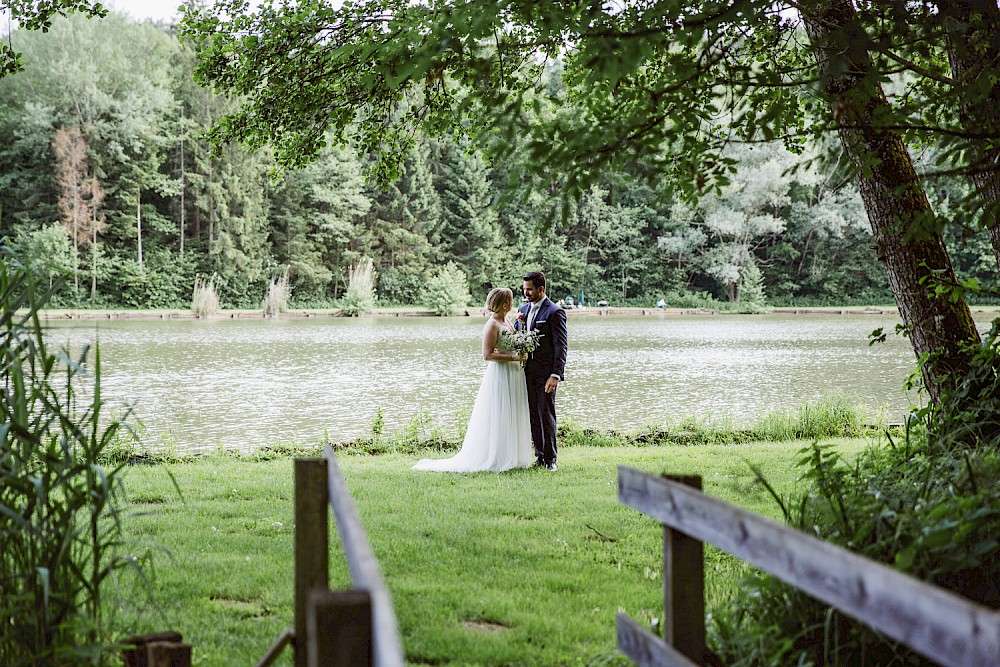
(752, 296)
(360, 296)
(927, 506)
(59, 497)
(968, 415)
(447, 291)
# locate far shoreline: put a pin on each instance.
(180, 314)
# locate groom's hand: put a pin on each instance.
(551, 384)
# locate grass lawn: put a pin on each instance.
(523, 568)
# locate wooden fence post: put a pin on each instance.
(160, 649)
(312, 543)
(684, 587)
(340, 629)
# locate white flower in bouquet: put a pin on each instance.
(522, 342)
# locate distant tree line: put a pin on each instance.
(106, 179)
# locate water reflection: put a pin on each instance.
(244, 383)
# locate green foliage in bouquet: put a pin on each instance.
(60, 513)
(447, 291)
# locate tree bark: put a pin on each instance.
(973, 28)
(183, 187)
(914, 255)
(138, 225)
(93, 266)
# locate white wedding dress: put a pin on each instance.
(499, 434)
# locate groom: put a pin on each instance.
(544, 369)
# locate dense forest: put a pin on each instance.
(106, 179)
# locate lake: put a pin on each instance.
(242, 383)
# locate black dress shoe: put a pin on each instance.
(538, 464)
(551, 466)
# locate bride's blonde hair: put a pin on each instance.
(498, 298)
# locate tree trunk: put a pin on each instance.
(898, 210)
(93, 266)
(138, 224)
(183, 186)
(973, 28)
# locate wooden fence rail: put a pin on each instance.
(934, 622)
(365, 575)
(335, 628)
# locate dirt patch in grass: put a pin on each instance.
(241, 608)
(481, 625)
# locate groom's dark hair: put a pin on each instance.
(537, 278)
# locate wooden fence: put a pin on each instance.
(335, 628)
(936, 623)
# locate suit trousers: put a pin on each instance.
(542, 411)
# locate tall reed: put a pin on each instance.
(60, 518)
(360, 296)
(278, 294)
(204, 298)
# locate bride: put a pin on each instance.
(499, 434)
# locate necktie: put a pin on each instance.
(531, 315)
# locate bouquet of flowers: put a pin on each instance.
(522, 342)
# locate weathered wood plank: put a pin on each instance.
(340, 629)
(646, 649)
(312, 542)
(286, 637)
(936, 623)
(684, 587)
(158, 649)
(365, 575)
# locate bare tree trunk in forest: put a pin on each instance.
(97, 195)
(138, 224)
(70, 150)
(973, 28)
(893, 196)
(211, 228)
(183, 186)
(805, 252)
(93, 266)
(76, 257)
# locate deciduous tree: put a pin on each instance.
(688, 76)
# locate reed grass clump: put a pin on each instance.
(279, 293)
(60, 499)
(204, 298)
(360, 296)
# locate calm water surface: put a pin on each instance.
(241, 384)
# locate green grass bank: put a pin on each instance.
(523, 568)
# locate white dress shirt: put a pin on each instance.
(533, 312)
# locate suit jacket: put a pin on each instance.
(550, 321)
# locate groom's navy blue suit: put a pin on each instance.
(548, 360)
